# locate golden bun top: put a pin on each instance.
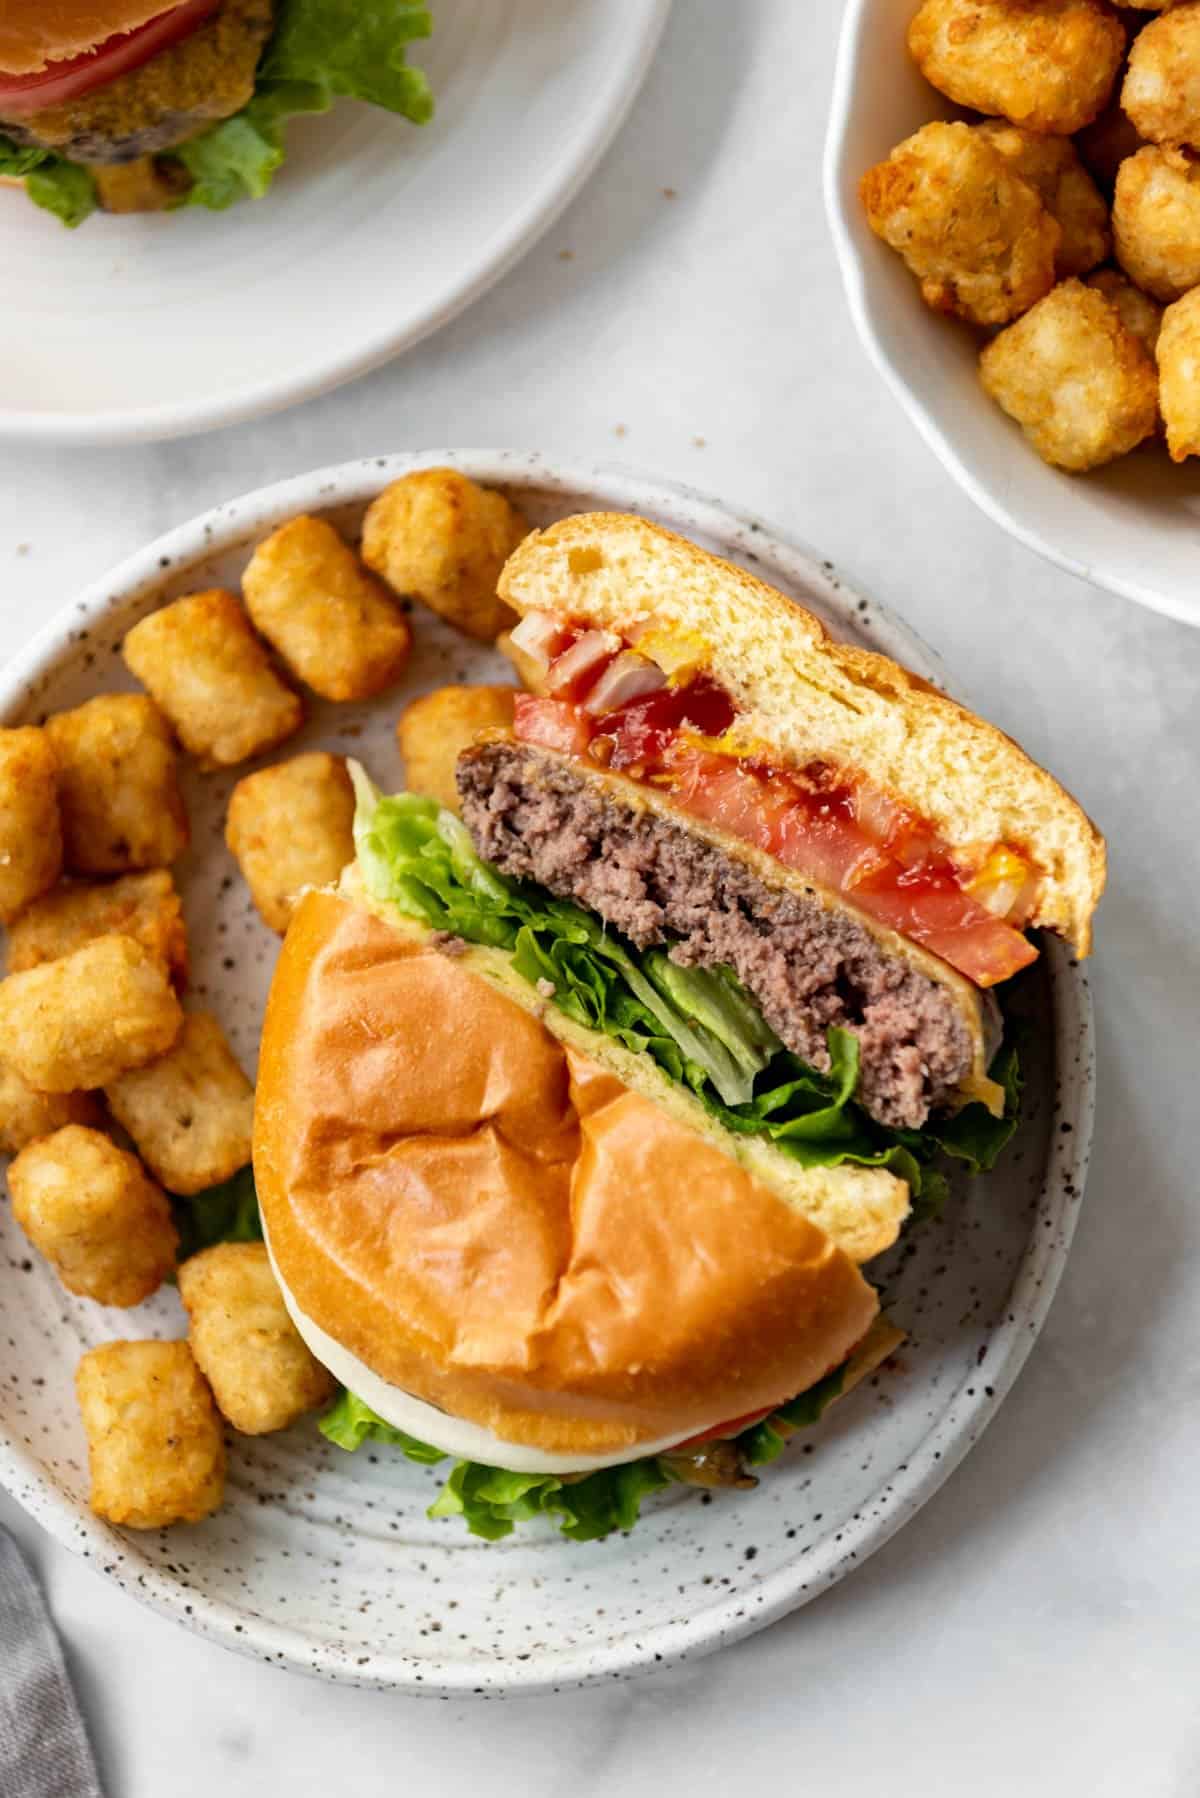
(36, 32)
(498, 1226)
(809, 698)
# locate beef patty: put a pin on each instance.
(535, 817)
(206, 76)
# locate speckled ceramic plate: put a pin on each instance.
(327, 1563)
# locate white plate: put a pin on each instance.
(326, 1562)
(1133, 527)
(375, 233)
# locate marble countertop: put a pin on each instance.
(1034, 1629)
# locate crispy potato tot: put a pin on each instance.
(80, 1022)
(261, 1373)
(1104, 146)
(90, 1209)
(434, 730)
(189, 1113)
(1179, 375)
(290, 827)
(143, 906)
(30, 826)
(1156, 221)
(26, 1114)
(975, 235)
(1161, 91)
(118, 785)
(335, 626)
(438, 537)
(1047, 64)
(1139, 313)
(1067, 191)
(155, 1446)
(1077, 382)
(213, 678)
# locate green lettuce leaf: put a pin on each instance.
(321, 51)
(224, 1213)
(350, 1422)
(766, 1441)
(703, 1030)
(64, 188)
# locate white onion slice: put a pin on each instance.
(535, 636)
(592, 648)
(630, 677)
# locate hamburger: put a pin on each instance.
(133, 106)
(580, 1115)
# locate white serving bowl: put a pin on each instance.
(1133, 527)
(326, 1562)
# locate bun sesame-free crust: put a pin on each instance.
(494, 1222)
(808, 698)
(34, 33)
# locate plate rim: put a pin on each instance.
(965, 1414)
(160, 423)
(850, 51)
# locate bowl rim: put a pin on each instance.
(965, 1412)
(547, 200)
(851, 51)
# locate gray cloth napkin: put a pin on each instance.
(44, 1751)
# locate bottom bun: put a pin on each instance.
(492, 1224)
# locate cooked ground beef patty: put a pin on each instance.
(206, 76)
(534, 817)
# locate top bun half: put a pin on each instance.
(495, 1224)
(809, 698)
(34, 33)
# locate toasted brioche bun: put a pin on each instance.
(493, 1223)
(808, 698)
(861, 1209)
(34, 33)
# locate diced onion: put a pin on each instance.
(629, 677)
(875, 811)
(535, 636)
(571, 669)
(1005, 886)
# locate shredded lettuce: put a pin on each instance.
(703, 1029)
(224, 1213)
(64, 188)
(320, 51)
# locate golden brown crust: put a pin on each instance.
(808, 697)
(36, 32)
(491, 1222)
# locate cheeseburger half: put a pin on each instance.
(135, 106)
(579, 1115)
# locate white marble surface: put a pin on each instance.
(1035, 1628)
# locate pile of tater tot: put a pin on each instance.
(119, 1106)
(1064, 222)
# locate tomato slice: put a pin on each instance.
(721, 1432)
(947, 922)
(551, 724)
(23, 95)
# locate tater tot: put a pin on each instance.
(1156, 221)
(434, 730)
(1161, 91)
(190, 1111)
(213, 678)
(1139, 313)
(30, 828)
(90, 1209)
(26, 1114)
(262, 1375)
(335, 626)
(1179, 375)
(1047, 64)
(118, 785)
(143, 906)
(1106, 144)
(975, 235)
(289, 827)
(155, 1445)
(1077, 382)
(438, 537)
(1067, 191)
(77, 1023)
